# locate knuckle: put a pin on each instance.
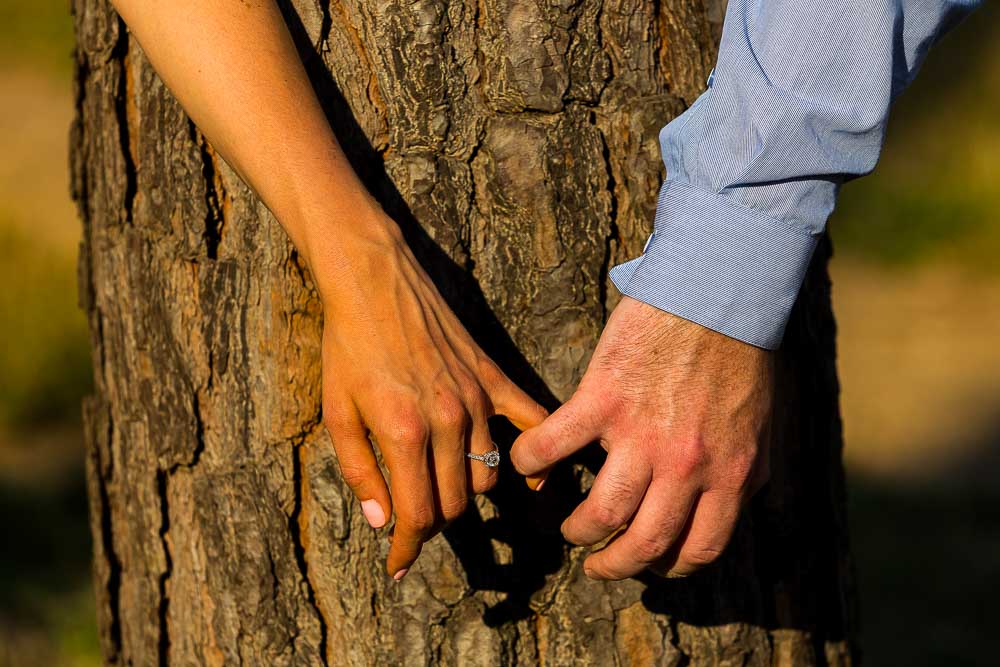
(484, 480)
(698, 556)
(355, 476)
(546, 450)
(689, 459)
(650, 547)
(488, 483)
(468, 385)
(421, 520)
(479, 403)
(409, 429)
(452, 508)
(448, 412)
(336, 421)
(606, 515)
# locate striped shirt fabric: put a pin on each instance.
(796, 105)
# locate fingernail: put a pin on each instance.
(402, 573)
(373, 512)
(535, 483)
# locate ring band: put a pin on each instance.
(490, 459)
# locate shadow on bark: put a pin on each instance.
(528, 522)
(791, 549)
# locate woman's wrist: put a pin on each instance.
(347, 247)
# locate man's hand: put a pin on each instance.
(683, 413)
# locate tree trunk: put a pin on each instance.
(516, 143)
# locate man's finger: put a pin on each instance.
(661, 518)
(568, 429)
(712, 525)
(359, 468)
(612, 500)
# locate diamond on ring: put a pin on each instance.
(491, 459)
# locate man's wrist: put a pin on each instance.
(692, 339)
(713, 261)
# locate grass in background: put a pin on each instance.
(37, 34)
(916, 285)
(44, 358)
(44, 362)
(934, 193)
(46, 595)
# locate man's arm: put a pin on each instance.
(397, 363)
(680, 386)
(797, 105)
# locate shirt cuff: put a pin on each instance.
(715, 262)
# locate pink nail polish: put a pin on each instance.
(402, 573)
(541, 484)
(373, 512)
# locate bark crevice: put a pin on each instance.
(163, 644)
(120, 55)
(613, 239)
(114, 576)
(299, 546)
(214, 216)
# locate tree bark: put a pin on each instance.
(516, 143)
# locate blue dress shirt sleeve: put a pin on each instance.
(796, 106)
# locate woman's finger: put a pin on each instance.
(358, 465)
(481, 477)
(450, 424)
(406, 451)
(510, 400)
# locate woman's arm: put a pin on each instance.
(233, 66)
(397, 363)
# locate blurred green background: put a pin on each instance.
(917, 294)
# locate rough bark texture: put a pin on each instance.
(516, 142)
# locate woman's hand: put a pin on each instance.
(397, 364)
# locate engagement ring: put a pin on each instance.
(491, 459)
